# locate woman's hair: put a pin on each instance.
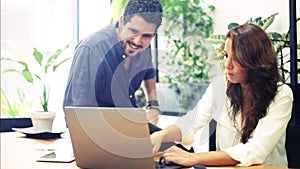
(150, 10)
(253, 51)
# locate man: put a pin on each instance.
(111, 64)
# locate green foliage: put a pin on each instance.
(117, 8)
(17, 108)
(263, 23)
(46, 65)
(188, 24)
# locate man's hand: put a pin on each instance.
(152, 115)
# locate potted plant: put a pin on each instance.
(42, 120)
(186, 27)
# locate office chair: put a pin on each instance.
(293, 145)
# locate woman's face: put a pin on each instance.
(234, 72)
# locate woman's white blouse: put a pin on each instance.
(267, 142)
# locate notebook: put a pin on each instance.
(111, 138)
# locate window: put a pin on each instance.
(47, 25)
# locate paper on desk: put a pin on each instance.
(45, 147)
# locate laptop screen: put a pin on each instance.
(110, 137)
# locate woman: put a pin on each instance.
(251, 117)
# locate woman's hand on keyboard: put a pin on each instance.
(179, 156)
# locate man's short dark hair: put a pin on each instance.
(150, 10)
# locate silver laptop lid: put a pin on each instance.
(110, 137)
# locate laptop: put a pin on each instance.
(111, 138)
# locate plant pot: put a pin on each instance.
(42, 121)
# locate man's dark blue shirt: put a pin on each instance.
(98, 77)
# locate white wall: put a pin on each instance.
(93, 15)
(241, 10)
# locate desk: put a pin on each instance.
(19, 152)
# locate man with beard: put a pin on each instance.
(110, 65)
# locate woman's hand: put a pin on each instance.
(156, 140)
(178, 156)
(169, 134)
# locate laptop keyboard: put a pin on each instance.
(164, 165)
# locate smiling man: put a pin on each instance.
(111, 64)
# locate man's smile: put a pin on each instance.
(133, 45)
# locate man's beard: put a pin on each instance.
(131, 44)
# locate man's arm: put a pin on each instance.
(149, 87)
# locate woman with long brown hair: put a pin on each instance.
(252, 110)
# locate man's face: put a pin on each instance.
(135, 35)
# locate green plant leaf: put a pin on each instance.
(274, 36)
(27, 75)
(38, 56)
(51, 59)
(196, 2)
(232, 25)
(54, 57)
(11, 110)
(217, 39)
(25, 72)
(199, 63)
(212, 8)
(5, 101)
(60, 63)
(268, 21)
(10, 70)
(39, 75)
(44, 99)
(22, 63)
(258, 21)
